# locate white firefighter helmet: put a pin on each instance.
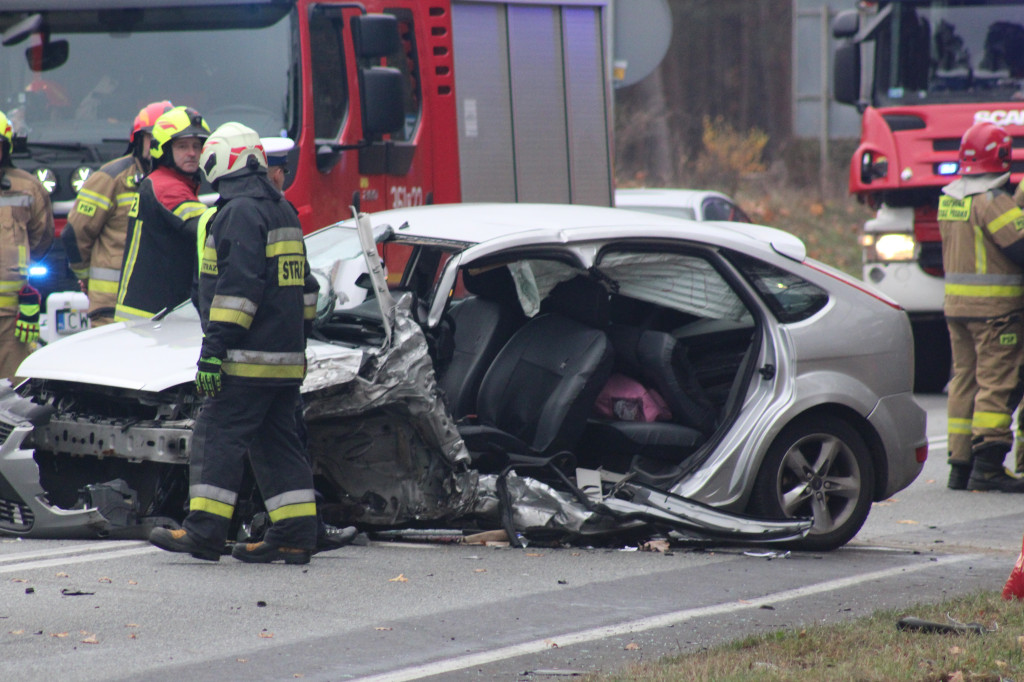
(231, 148)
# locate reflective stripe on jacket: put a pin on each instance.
(159, 260)
(26, 232)
(253, 284)
(982, 241)
(94, 237)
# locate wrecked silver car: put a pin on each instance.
(566, 373)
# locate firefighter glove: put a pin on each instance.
(26, 326)
(208, 377)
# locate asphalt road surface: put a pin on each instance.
(387, 612)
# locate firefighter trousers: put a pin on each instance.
(230, 422)
(986, 385)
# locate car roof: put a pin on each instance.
(664, 197)
(509, 224)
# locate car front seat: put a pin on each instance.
(536, 397)
(483, 322)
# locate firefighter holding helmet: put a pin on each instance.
(256, 304)
(26, 232)
(95, 234)
(159, 260)
(983, 256)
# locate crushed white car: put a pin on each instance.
(566, 373)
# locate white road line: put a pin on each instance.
(70, 560)
(663, 620)
(85, 546)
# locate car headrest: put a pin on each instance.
(494, 284)
(582, 299)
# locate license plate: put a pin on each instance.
(71, 321)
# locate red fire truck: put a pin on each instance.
(391, 102)
(921, 72)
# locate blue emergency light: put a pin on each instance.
(947, 168)
(38, 271)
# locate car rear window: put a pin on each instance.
(790, 297)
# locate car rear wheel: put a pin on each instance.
(818, 467)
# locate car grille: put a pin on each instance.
(14, 515)
(5, 431)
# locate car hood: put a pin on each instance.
(157, 355)
(146, 356)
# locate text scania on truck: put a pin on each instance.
(921, 72)
(391, 102)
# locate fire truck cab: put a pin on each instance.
(390, 102)
(921, 72)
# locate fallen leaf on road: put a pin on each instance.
(90, 640)
(535, 554)
(242, 660)
(133, 636)
(909, 522)
(105, 580)
(132, 625)
(18, 580)
(17, 632)
(655, 546)
(267, 635)
(551, 643)
(479, 570)
(62, 574)
(58, 634)
(132, 582)
(400, 579)
(632, 646)
(381, 628)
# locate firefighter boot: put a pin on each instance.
(988, 473)
(265, 553)
(180, 541)
(959, 472)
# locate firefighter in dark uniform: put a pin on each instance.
(983, 254)
(95, 234)
(159, 261)
(257, 300)
(26, 233)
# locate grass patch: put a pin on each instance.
(868, 649)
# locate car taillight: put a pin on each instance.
(922, 453)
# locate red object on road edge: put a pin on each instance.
(1014, 587)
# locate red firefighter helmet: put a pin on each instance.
(147, 116)
(985, 148)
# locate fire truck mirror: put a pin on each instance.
(846, 73)
(47, 56)
(375, 35)
(846, 24)
(382, 100)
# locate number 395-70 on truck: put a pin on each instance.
(391, 102)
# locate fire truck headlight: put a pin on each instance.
(79, 177)
(894, 247)
(48, 178)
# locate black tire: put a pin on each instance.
(817, 467)
(933, 357)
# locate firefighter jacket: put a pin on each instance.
(26, 232)
(982, 248)
(94, 237)
(159, 261)
(256, 294)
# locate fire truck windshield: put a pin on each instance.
(80, 76)
(948, 51)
